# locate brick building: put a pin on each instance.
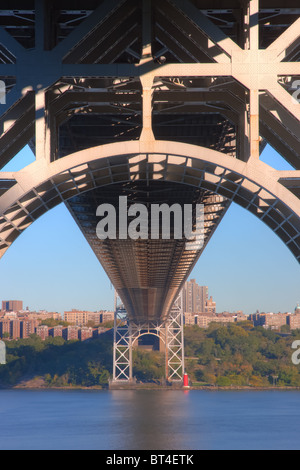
(71, 332)
(294, 321)
(210, 306)
(82, 317)
(28, 327)
(42, 331)
(272, 321)
(5, 328)
(107, 316)
(12, 305)
(56, 331)
(85, 333)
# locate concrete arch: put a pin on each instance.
(253, 185)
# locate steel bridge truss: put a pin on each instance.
(150, 93)
(222, 75)
(127, 333)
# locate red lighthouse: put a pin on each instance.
(186, 381)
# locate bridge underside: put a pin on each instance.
(147, 273)
(158, 100)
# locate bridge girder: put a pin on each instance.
(269, 194)
(115, 91)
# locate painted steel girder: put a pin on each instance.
(147, 273)
(261, 107)
(31, 192)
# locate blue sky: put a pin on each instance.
(245, 265)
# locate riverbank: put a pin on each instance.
(223, 358)
(38, 383)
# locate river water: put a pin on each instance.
(149, 420)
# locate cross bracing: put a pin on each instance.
(114, 95)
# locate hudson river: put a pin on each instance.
(149, 420)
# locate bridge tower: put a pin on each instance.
(161, 101)
(127, 334)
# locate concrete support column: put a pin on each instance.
(147, 132)
(147, 78)
(252, 44)
(254, 123)
(42, 127)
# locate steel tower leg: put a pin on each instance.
(122, 350)
(175, 343)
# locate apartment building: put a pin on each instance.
(294, 321)
(82, 317)
(107, 316)
(28, 327)
(273, 321)
(85, 333)
(12, 305)
(205, 320)
(56, 331)
(210, 306)
(17, 328)
(194, 297)
(196, 300)
(71, 332)
(42, 331)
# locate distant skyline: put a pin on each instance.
(245, 265)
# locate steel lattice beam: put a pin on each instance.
(184, 93)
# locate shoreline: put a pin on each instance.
(152, 387)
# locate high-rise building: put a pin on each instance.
(28, 327)
(5, 328)
(195, 297)
(10, 328)
(12, 305)
(15, 328)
